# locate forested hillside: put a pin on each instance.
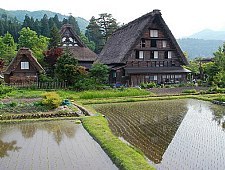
(199, 47)
(20, 15)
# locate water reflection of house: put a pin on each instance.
(144, 50)
(70, 40)
(24, 68)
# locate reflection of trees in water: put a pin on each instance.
(7, 146)
(218, 115)
(57, 128)
(28, 130)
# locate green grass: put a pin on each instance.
(113, 93)
(123, 155)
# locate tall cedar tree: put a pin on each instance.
(45, 30)
(93, 33)
(72, 21)
(99, 30)
(54, 38)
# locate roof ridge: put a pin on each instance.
(152, 13)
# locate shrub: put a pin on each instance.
(5, 89)
(151, 85)
(51, 100)
(220, 98)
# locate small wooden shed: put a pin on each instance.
(24, 68)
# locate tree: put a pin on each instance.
(73, 22)
(99, 72)
(30, 39)
(99, 30)
(93, 33)
(107, 24)
(45, 30)
(66, 68)
(54, 38)
(89, 44)
(9, 48)
(51, 57)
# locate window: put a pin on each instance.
(177, 76)
(142, 44)
(114, 74)
(164, 43)
(169, 54)
(24, 65)
(139, 54)
(153, 33)
(153, 78)
(153, 43)
(156, 54)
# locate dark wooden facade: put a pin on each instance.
(24, 68)
(144, 50)
(70, 40)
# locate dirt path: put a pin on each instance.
(174, 91)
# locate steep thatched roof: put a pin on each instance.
(80, 52)
(20, 54)
(120, 45)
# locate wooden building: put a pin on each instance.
(24, 68)
(70, 40)
(144, 50)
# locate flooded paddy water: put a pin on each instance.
(50, 145)
(173, 134)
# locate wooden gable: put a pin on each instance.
(69, 37)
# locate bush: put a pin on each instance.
(151, 85)
(5, 89)
(51, 100)
(220, 98)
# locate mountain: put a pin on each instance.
(208, 34)
(20, 15)
(199, 47)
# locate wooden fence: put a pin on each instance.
(41, 85)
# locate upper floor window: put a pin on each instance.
(153, 43)
(142, 44)
(139, 54)
(154, 54)
(168, 54)
(24, 65)
(154, 33)
(164, 43)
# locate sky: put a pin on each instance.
(182, 17)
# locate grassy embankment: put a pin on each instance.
(124, 156)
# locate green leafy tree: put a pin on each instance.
(66, 68)
(9, 48)
(30, 39)
(100, 73)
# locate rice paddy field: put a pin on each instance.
(50, 145)
(173, 134)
